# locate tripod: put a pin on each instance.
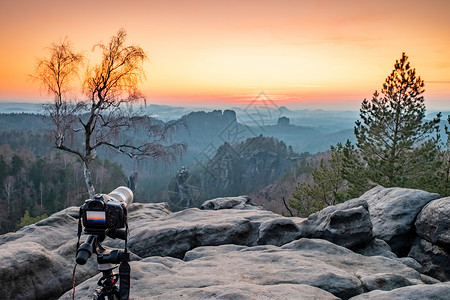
(107, 260)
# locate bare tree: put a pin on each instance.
(55, 75)
(8, 184)
(108, 113)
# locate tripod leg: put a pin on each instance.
(101, 294)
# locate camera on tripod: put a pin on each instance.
(106, 211)
(106, 215)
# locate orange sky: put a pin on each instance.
(302, 54)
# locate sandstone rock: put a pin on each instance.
(295, 271)
(376, 247)
(347, 224)
(278, 232)
(384, 282)
(393, 212)
(434, 259)
(439, 291)
(245, 291)
(38, 260)
(227, 254)
(241, 202)
(433, 223)
(389, 272)
(182, 231)
(381, 248)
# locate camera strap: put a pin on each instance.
(80, 229)
(125, 271)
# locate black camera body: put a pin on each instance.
(102, 216)
(106, 211)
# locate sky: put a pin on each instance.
(301, 54)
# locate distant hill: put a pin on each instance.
(19, 107)
(24, 121)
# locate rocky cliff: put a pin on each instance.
(238, 168)
(230, 249)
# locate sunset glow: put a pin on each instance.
(302, 54)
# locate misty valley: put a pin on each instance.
(260, 151)
(229, 153)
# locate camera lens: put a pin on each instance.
(122, 194)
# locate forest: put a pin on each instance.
(41, 182)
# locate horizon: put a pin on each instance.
(302, 54)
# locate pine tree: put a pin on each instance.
(329, 186)
(393, 125)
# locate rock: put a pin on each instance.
(393, 212)
(434, 259)
(433, 223)
(381, 248)
(278, 232)
(374, 267)
(242, 168)
(25, 265)
(242, 290)
(303, 269)
(410, 262)
(241, 202)
(283, 121)
(347, 224)
(384, 282)
(224, 254)
(428, 279)
(182, 231)
(438, 291)
(38, 260)
(376, 247)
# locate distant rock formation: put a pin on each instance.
(244, 167)
(182, 188)
(283, 121)
(233, 249)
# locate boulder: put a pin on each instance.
(177, 233)
(393, 212)
(434, 259)
(240, 202)
(347, 224)
(38, 260)
(376, 247)
(438, 291)
(433, 223)
(278, 232)
(303, 269)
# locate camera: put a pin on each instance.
(105, 215)
(106, 211)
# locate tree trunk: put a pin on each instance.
(87, 179)
(8, 185)
(41, 189)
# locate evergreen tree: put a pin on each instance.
(16, 165)
(330, 185)
(28, 220)
(392, 125)
(444, 178)
(3, 169)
